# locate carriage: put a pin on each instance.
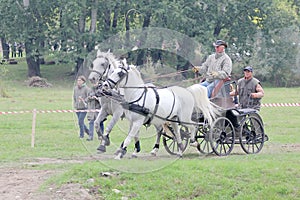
(234, 126)
(216, 134)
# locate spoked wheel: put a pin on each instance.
(170, 142)
(252, 135)
(222, 136)
(202, 137)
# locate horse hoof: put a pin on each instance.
(153, 153)
(106, 140)
(118, 151)
(118, 157)
(123, 152)
(101, 148)
(120, 154)
(179, 154)
(194, 144)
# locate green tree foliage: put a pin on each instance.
(264, 34)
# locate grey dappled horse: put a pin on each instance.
(156, 106)
(102, 67)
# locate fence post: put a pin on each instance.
(33, 127)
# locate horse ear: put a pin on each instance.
(98, 53)
(124, 61)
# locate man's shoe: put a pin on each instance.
(89, 139)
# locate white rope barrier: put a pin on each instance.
(35, 111)
(97, 110)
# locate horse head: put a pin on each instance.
(116, 77)
(103, 65)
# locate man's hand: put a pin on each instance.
(214, 74)
(196, 69)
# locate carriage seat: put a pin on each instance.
(242, 111)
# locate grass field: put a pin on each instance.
(274, 173)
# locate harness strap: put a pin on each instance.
(103, 74)
(155, 109)
(172, 105)
(144, 93)
(109, 81)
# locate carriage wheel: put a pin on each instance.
(202, 137)
(170, 142)
(252, 135)
(222, 136)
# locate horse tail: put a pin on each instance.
(202, 102)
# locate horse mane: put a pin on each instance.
(135, 70)
(110, 56)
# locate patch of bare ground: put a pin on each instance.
(21, 183)
(25, 184)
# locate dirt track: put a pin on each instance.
(21, 183)
(25, 184)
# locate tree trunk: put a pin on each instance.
(116, 14)
(107, 18)
(81, 24)
(142, 40)
(79, 67)
(33, 67)
(94, 17)
(33, 62)
(147, 18)
(5, 48)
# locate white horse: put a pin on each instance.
(156, 106)
(102, 67)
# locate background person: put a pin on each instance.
(20, 50)
(93, 103)
(217, 66)
(80, 94)
(249, 90)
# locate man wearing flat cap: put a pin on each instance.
(218, 66)
(250, 90)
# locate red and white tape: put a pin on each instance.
(280, 104)
(97, 110)
(46, 111)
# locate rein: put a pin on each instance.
(105, 73)
(153, 114)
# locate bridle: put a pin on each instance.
(103, 76)
(122, 74)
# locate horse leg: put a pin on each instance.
(193, 141)
(135, 127)
(178, 138)
(116, 116)
(159, 131)
(100, 118)
(137, 147)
